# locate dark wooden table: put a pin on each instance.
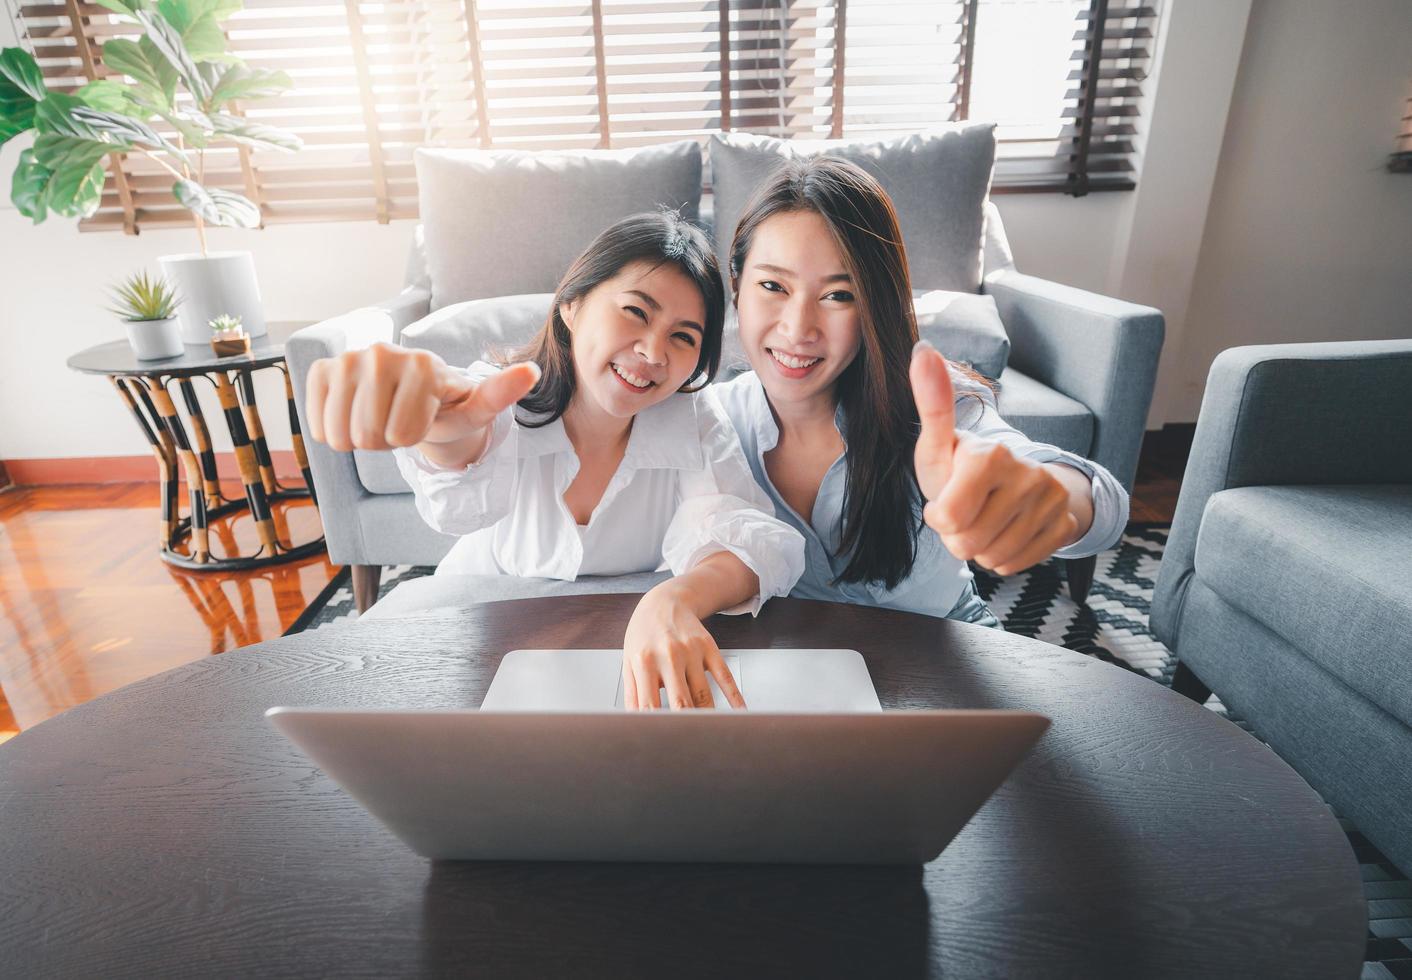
(146, 389)
(167, 830)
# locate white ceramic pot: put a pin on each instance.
(211, 285)
(155, 340)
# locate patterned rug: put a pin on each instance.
(1112, 627)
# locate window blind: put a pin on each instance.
(374, 80)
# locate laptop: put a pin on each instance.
(847, 785)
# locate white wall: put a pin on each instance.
(1304, 231)
(1309, 237)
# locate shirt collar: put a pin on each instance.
(767, 430)
(665, 436)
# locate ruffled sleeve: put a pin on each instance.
(976, 413)
(459, 501)
(722, 508)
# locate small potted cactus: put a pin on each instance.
(148, 308)
(228, 336)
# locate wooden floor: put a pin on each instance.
(86, 605)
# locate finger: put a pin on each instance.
(342, 382)
(1036, 514)
(498, 392)
(678, 690)
(629, 687)
(696, 681)
(315, 392)
(936, 410)
(414, 406)
(1006, 501)
(717, 666)
(649, 687)
(368, 412)
(978, 469)
(1050, 541)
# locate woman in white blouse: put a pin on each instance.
(594, 454)
(863, 437)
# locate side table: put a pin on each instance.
(145, 387)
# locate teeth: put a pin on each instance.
(794, 362)
(631, 379)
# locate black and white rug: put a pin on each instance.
(1112, 627)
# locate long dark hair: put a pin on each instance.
(655, 237)
(882, 500)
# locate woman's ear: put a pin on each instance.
(567, 311)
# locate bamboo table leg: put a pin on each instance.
(161, 448)
(245, 387)
(249, 466)
(210, 478)
(200, 538)
(296, 436)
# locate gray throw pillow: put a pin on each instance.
(508, 222)
(481, 329)
(938, 182)
(965, 327)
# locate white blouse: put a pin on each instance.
(683, 492)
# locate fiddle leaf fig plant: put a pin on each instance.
(177, 101)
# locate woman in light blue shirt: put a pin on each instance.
(864, 438)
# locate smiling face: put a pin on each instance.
(800, 323)
(636, 338)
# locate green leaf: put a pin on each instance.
(194, 126)
(204, 39)
(107, 95)
(56, 115)
(254, 134)
(29, 188)
(167, 40)
(144, 64)
(61, 174)
(59, 152)
(242, 82)
(126, 129)
(74, 193)
(216, 206)
(21, 88)
(18, 67)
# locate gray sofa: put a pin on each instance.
(1080, 372)
(1286, 585)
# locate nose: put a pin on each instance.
(798, 323)
(652, 348)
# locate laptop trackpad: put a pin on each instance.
(770, 680)
(718, 698)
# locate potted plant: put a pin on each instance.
(228, 336)
(179, 100)
(148, 308)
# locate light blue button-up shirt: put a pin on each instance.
(940, 583)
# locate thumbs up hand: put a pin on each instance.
(384, 396)
(985, 503)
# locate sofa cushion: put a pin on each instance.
(938, 182)
(1043, 414)
(505, 222)
(1328, 569)
(965, 327)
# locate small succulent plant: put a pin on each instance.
(140, 297)
(226, 325)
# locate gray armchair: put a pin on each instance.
(1080, 376)
(1286, 585)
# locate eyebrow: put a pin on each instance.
(657, 307)
(782, 271)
